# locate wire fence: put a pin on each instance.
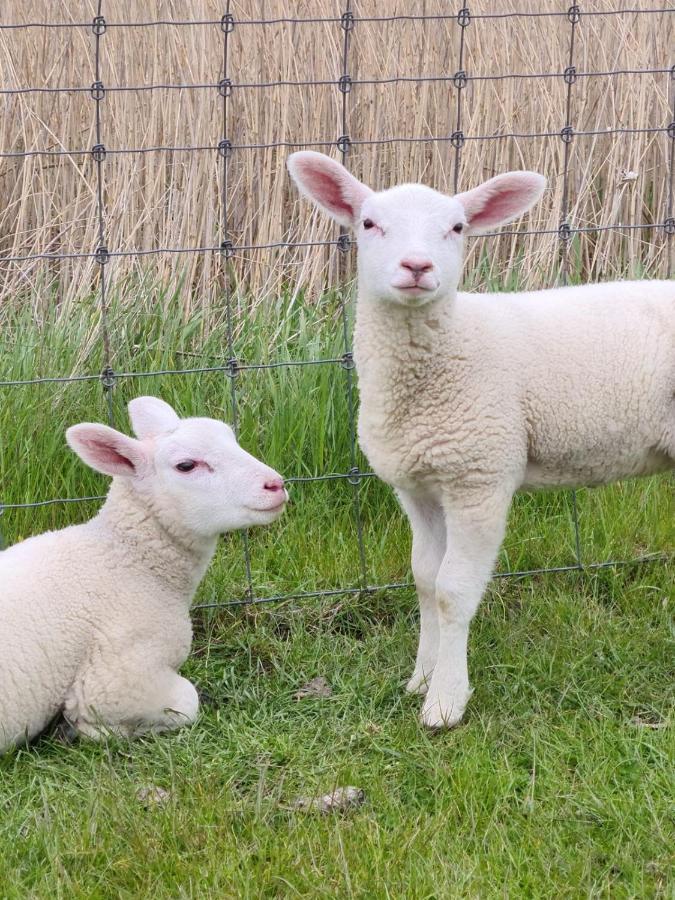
(654, 225)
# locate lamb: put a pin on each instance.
(94, 619)
(467, 398)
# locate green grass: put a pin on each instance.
(559, 783)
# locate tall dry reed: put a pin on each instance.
(172, 198)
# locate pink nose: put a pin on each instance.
(417, 265)
(274, 485)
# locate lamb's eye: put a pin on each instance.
(368, 224)
(186, 466)
(458, 228)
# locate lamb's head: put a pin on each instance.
(191, 471)
(410, 238)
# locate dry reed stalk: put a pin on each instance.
(172, 199)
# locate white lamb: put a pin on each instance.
(94, 619)
(467, 398)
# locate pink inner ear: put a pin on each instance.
(326, 190)
(502, 199)
(108, 455)
(498, 207)
(495, 208)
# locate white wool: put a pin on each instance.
(468, 398)
(94, 619)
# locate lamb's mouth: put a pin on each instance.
(416, 288)
(414, 294)
(269, 509)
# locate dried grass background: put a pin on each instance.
(172, 199)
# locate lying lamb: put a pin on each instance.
(94, 619)
(467, 398)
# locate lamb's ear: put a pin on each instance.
(151, 416)
(501, 199)
(107, 450)
(329, 185)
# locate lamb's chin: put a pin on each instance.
(264, 516)
(413, 301)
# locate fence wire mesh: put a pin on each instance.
(595, 116)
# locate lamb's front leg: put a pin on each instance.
(475, 527)
(134, 703)
(428, 547)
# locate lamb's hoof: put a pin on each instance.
(207, 699)
(418, 684)
(437, 714)
(64, 732)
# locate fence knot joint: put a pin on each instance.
(574, 14)
(227, 23)
(98, 152)
(347, 20)
(669, 225)
(225, 87)
(108, 378)
(347, 361)
(463, 17)
(457, 139)
(343, 243)
(354, 476)
(567, 133)
(565, 232)
(97, 90)
(102, 255)
(460, 79)
(98, 25)
(345, 84)
(344, 143)
(227, 248)
(570, 74)
(670, 130)
(224, 148)
(232, 367)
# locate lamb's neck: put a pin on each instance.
(140, 537)
(389, 335)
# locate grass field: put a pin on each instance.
(559, 783)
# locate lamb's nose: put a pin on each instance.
(417, 265)
(274, 484)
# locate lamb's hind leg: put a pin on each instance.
(428, 547)
(475, 528)
(669, 439)
(146, 702)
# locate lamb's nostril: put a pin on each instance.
(274, 484)
(417, 265)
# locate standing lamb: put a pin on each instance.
(467, 398)
(94, 619)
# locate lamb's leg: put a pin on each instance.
(669, 440)
(173, 705)
(428, 546)
(475, 528)
(147, 702)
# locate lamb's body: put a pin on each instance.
(467, 398)
(560, 387)
(100, 652)
(94, 619)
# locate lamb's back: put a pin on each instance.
(43, 631)
(597, 378)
